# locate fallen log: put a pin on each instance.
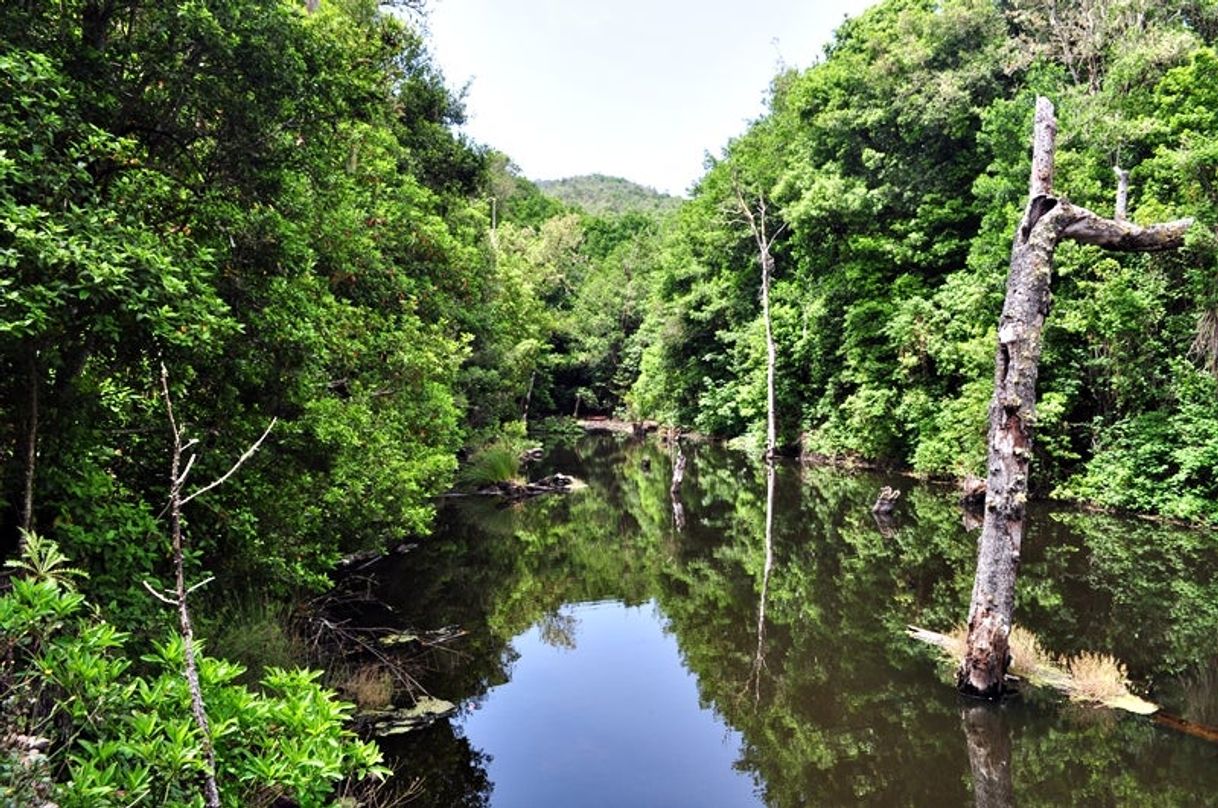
(1054, 674)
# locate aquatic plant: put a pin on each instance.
(498, 462)
(1097, 677)
(370, 686)
(1028, 657)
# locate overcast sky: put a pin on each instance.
(640, 89)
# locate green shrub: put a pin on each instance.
(116, 738)
(1162, 462)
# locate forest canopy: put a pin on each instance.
(279, 206)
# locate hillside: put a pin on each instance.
(599, 194)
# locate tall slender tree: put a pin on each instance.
(764, 235)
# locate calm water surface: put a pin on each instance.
(621, 655)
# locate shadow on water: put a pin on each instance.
(796, 644)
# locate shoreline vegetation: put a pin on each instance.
(965, 484)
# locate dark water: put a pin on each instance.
(614, 659)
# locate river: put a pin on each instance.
(620, 655)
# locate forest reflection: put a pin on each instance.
(788, 603)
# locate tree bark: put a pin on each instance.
(771, 430)
(1047, 220)
(33, 379)
(1122, 194)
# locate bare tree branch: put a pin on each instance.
(201, 584)
(240, 461)
(1116, 234)
(158, 595)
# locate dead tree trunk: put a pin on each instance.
(528, 398)
(33, 379)
(1122, 193)
(177, 481)
(764, 239)
(1047, 220)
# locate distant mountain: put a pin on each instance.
(598, 194)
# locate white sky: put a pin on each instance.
(640, 89)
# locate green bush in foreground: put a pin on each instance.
(78, 727)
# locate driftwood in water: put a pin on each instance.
(512, 490)
(1205, 733)
(886, 524)
(401, 720)
(886, 502)
(601, 424)
(1047, 221)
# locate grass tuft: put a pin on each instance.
(370, 687)
(257, 633)
(1028, 657)
(957, 643)
(498, 462)
(1097, 677)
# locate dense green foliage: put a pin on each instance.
(608, 196)
(275, 205)
(121, 738)
(283, 214)
(898, 165)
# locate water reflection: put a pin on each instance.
(639, 736)
(759, 658)
(989, 755)
(797, 642)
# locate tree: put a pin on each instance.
(1047, 221)
(764, 239)
(177, 481)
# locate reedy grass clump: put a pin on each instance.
(369, 686)
(1028, 657)
(1097, 677)
(497, 462)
